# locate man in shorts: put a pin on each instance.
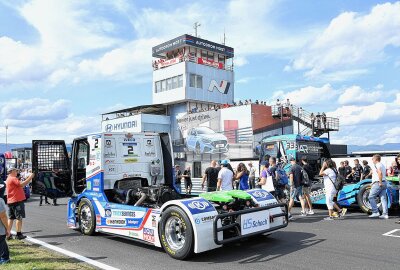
(279, 189)
(4, 232)
(307, 188)
(296, 187)
(15, 200)
(211, 177)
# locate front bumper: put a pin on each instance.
(238, 227)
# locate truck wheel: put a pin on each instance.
(363, 201)
(87, 220)
(176, 233)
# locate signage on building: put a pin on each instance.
(124, 124)
(222, 86)
(203, 61)
(194, 42)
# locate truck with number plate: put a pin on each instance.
(123, 184)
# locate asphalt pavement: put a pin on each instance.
(354, 242)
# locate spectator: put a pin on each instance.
(225, 177)
(257, 101)
(4, 233)
(295, 187)
(348, 172)
(378, 188)
(279, 189)
(287, 104)
(307, 188)
(41, 200)
(15, 200)
(278, 103)
(266, 181)
(328, 171)
(187, 175)
(178, 177)
(397, 159)
(324, 119)
(342, 170)
(211, 176)
(240, 103)
(393, 170)
(252, 176)
(357, 171)
(312, 116)
(318, 117)
(242, 175)
(367, 172)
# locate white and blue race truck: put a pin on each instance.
(123, 184)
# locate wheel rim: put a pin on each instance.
(366, 200)
(175, 233)
(86, 217)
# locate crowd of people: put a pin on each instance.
(298, 181)
(227, 105)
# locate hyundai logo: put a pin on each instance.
(198, 205)
(109, 128)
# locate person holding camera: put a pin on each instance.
(15, 200)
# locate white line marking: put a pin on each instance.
(390, 233)
(70, 254)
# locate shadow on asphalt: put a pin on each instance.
(260, 249)
(58, 235)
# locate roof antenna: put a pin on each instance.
(195, 26)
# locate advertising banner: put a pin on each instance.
(207, 62)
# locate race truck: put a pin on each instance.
(123, 184)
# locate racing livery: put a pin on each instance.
(122, 184)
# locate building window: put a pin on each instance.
(196, 81)
(163, 85)
(204, 54)
(210, 56)
(157, 87)
(169, 84)
(180, 81)
(175, 82)
(221, 59)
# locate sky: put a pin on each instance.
(63, 63)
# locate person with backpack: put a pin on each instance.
(296, 187)
(332, 180)
(279, 178)
(308, 175)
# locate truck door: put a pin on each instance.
(51, 165)
(80, 160)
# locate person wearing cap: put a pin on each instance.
(225, 177)
(15, 200)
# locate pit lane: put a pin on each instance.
(355, 242)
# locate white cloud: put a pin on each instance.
(44, 119)
(352, 40)
(356, 95)
(309, 95)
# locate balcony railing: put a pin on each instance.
(162, 63)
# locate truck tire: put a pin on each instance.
(363, 201)
(176, 233)
(87, 218)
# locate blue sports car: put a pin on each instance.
(355, 194)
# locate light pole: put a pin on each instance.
(6, 138)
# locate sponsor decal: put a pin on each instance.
(261, 195)
(198, 206)
(96, 182)
(130, 160)
(222, 86)
(129, 139)
(121, 126)
(108, 161)
(197, 220)
(207, 62)
(153, 221)
(94, 170)
(112, 168)
(133, 234)
(150, 154)
(89, 185)
(133, 222)
(98, 219)
(108, 213)
(207, 219)
(148, 234)
(73, 205)
(96, 189)
(255, 222)
(108, 143)
(115, 222)
(123, 213)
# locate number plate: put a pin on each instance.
(220, 145)
(255, 222)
